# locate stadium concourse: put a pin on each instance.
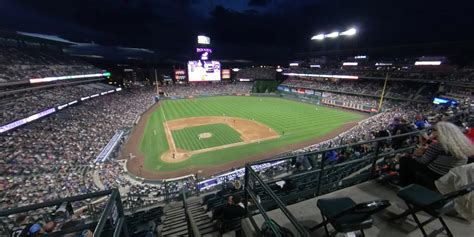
(74, 150)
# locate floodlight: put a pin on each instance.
(235, 69)
(279, 70)
(321, 75)
(383, 64)
(427, 63)
(350, 64)
(334, 34)
(294, 64)
(351, 31)
(318, 37)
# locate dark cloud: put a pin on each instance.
(255, 29)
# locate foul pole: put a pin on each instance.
(383, 93)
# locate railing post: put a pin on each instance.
(120, 211)
(376, 157)
(246, 185)
(321, 173)
(166, 192)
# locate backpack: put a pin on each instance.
(267, 231)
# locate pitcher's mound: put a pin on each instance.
(205, 135)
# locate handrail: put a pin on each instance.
(279, 203)
(113, 202)
(193, 230)
(54, 202)
(323, 183)
(192, 223)
(113, 209)
(261, 210)
(248, 192)
(335, 148)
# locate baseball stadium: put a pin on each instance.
(252, 118)
(211, 134)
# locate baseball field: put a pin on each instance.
(212, 134)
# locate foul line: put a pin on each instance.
(171, 144)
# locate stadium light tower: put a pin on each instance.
(349, 32)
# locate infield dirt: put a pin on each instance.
(250, 132)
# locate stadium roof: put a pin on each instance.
(257, 30)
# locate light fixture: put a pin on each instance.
(334, 34)
(318, 37)
(349, 32)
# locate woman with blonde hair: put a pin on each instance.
(448, 149)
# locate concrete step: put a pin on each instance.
(168, 228)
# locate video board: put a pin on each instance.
(204, 70)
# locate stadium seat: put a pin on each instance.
(347, 216)
(419, 198)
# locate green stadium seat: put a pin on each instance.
(347, 216)
(419, 198)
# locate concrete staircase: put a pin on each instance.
(174, 220)
(202, 219)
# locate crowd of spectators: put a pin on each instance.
(207, 89)
(368, 128)
(460, 92)
(414, 73)
(22, 63)
(21, 105)
(394, 89)
(64, 141)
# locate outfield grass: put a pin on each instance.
(222, 134)
(300, 122)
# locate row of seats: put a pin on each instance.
(142, 220)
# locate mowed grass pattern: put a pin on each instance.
(222, 134)
(298, 121)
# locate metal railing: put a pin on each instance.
(254, 182)
(111, 216)
(320, 174)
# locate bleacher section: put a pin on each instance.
(22, 63)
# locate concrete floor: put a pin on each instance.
(308, 215)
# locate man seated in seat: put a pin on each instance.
(229, 214)
(233, 209)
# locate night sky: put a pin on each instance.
(257, 30)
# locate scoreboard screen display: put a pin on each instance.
(180, 75)
(204, 70)
(225, 73)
